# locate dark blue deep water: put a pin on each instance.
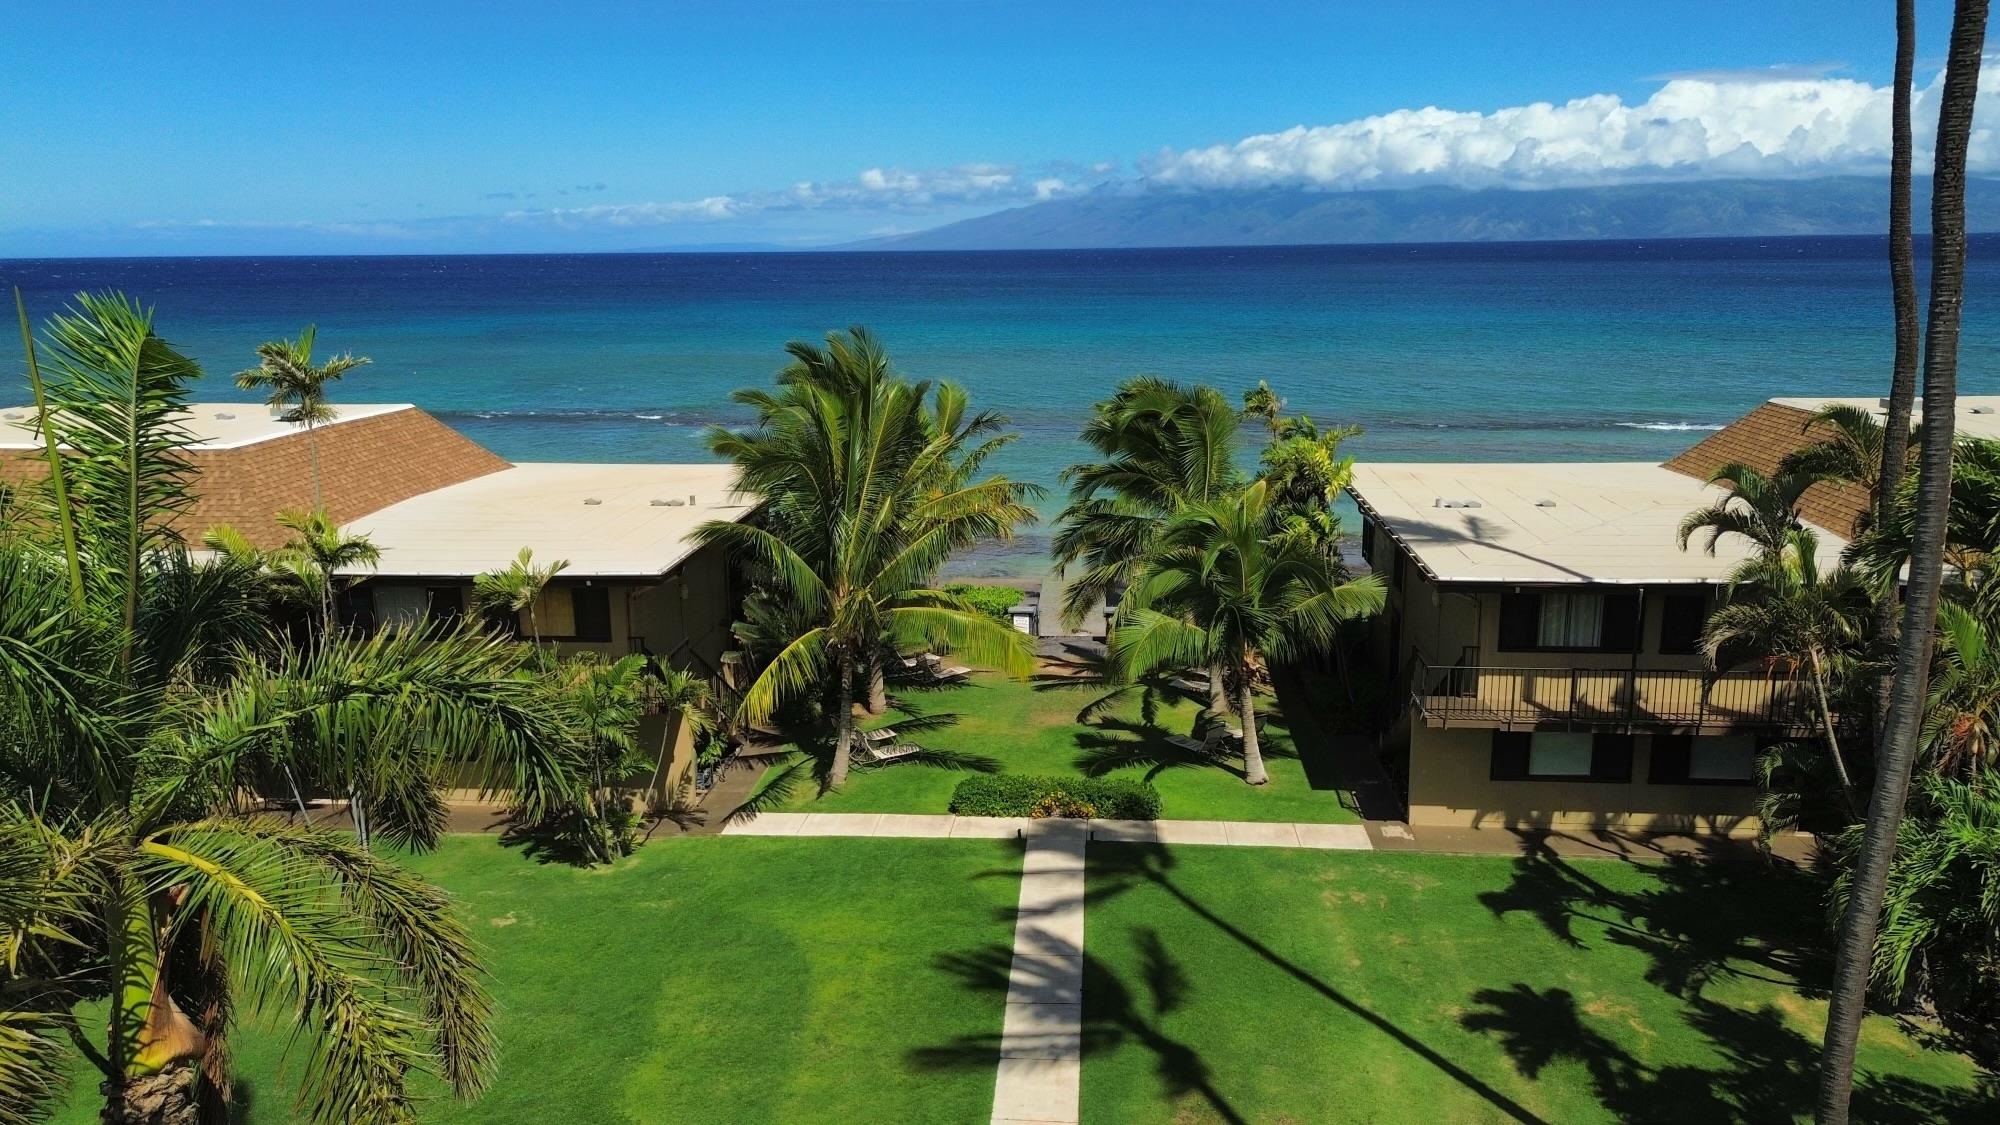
(1558, 351)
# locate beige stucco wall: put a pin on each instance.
(1451, 787)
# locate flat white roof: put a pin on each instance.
(1976, 415)
(478, 525)
(1562, 523)
(215, 425)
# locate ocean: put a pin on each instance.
(1509, 351)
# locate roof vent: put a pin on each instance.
(1441, 502)
(15, 415)
(1982, 410)
(224, 416)
(666, 503)
(1545, 502)
(591, 501)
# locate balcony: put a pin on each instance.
(1507, 697)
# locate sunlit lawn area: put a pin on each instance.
(710, 980)
(1031, 727)
(1264, 985)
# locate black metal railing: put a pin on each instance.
(1501, 695)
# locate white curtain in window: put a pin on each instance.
(1572, 621)
(401, 605)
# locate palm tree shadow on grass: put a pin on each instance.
(1115, 1015)
(1112, 1015)
(1699, 920)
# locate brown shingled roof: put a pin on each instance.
(366, 464)
(1762, 438)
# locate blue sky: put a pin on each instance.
(428, 125)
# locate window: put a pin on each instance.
(571, 613)
(402, 605)
(1368, 539)
(447, 604)
(1683, 759)
(1561, 756)
(1568, 621)
(1681, 619)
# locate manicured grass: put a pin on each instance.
(1265, 985)
(1031, 727)
(708, 980)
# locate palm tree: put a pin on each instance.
(1849, 449)
(607, 697)
(312, 565)
(1764, 510)
(1895, 448)
(1941, 915)
(1264, 403)
(1307, 471)
(142, 702)
(1218, 589)
(1163, 446)
(1961, 727)
(1897, 753)
(517, 587)
(1783, 611)
(293, 384)
(866, 483)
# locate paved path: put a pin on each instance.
(1238, 833)
(1040, 1075)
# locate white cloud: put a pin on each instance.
(1741, 124)
(873, 190)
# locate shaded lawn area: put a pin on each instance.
(1264, 985)
(706, 980)
(1016, 726)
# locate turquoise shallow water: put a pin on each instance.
(1557, 351)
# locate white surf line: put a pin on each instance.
(1040, 1077)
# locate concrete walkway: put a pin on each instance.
(1226, 833)
(1040, 1077)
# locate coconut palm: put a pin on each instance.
(1163, 446)
(295, 385)
(1787, 614)
(867, 488)
(1897, 753)
(1307, 471)
(1265, 404)
(1895, 448)
(1848, 448)
(517, 587)
(1762, 509)
(142, 700)
(1218, 589)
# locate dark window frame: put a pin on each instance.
(1668, 602)
(1611, 756)
(1626, 618)
(1678, 749)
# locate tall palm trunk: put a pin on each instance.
(1903, 295)
(878, 687)
(1253, 754)
(1940, 392)
(843, 740)
(1218, 690)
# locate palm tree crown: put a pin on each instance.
(296, 386)
(868, 484)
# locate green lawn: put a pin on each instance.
(1031, 727)
(1277, 986)
(708, 980)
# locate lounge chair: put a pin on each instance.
(883, 753)
(955, 672)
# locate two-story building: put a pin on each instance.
(1543, 627)
(442, 509)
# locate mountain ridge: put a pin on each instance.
(1842, 205)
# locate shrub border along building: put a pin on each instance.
(1017, 794)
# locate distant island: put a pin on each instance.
(1287, 216)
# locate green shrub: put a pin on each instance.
(993, 601)
(1020, 794)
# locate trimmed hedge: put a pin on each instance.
(993, 601)
(1020, 794)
